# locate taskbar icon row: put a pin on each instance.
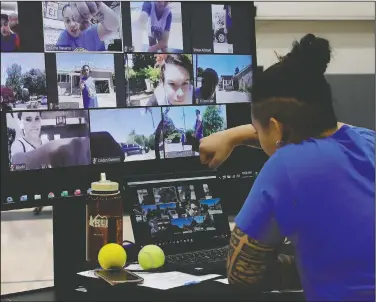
(50, 195)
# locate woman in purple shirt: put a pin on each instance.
(79, 34)
(317, 188)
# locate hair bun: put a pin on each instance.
(312, 53)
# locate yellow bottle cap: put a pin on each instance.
(104, 185)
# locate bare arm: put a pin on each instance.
(138, 29)
(109, 21)
(255, 265)
(244, 135)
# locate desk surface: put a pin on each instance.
(205, 291)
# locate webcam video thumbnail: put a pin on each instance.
(222, 28)
(222, 78)
(47, 139)
(23, 81)
(85, 80)
(10, 39)
(185, 126)
(159, 79)
(119, 135)
(156, 26)
(174, 216)
(82, 26)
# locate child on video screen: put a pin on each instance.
(175, 86)
(87, 86)
(9, 38)
(79, 33)
(157, 16)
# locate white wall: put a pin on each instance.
(353, 42)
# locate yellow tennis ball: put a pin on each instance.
(112, 256)
(151, 256)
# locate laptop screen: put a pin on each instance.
(177, 211)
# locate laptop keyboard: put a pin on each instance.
(198, 257)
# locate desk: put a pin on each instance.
(206, 291)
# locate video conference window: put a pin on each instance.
(23, 81)
(185, 126)
(175, 210)
(165, 195)
(82, 26)
(85, 80)
(119, 135)
(159, 79)
(10, 39)
(222, 79)
(222, 29)
(157, 26)
(47, 139)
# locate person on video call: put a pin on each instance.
(175, 86)
(228, 27)
(9, 40)
(156, 18)
(317, 188)
(194, 209)
(182, 139)
(208, 86)
(31, 125)
(79, 34)
(199, 131)
(87, 86)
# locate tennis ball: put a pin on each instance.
(151, 256)
(111, 256)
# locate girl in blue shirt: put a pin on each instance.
(317, 188)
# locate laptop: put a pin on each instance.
(184, 216)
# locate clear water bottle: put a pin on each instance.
(104, 217)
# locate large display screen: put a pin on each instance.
(134, 84)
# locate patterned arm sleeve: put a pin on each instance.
(255, 265)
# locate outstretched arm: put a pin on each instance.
(109, 21)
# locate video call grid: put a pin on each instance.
(129, 51)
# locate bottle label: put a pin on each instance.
(98, 221)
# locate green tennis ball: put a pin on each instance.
(112, 256)
(151, 256)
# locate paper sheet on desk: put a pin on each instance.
(224, 281)
(169, 280)
(89, 274)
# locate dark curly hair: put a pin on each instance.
(180, 60)
(295, 92)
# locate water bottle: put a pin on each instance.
(104, 217)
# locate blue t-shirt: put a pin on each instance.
(147, 7)
(321, 195)
(9, 43)
(88, 40)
